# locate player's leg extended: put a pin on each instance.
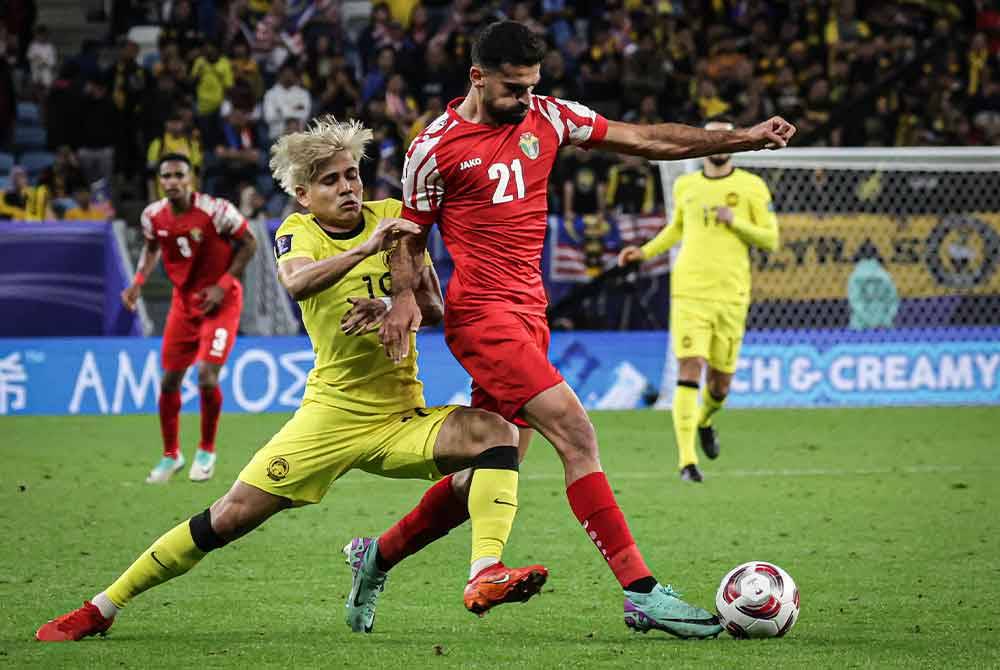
(238, 512)
(443, 508)
(685, 415)
(559, 416)
(203, 465)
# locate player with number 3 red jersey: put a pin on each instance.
(205, 244)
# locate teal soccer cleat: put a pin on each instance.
(662, 609)
(368, 582)
(165, 469)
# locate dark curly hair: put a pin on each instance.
(507, 42)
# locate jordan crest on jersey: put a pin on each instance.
(529, 145)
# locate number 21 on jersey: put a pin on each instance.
(501, 172)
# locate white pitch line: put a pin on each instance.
(793, 472)
(613, 476)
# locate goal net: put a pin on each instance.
(880, 248)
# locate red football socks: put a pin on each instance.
(435, 515)
(170, 409)
(594, 505)
(211, 407)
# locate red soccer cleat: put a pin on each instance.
(78, 624)
(499, 584)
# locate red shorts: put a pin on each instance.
(191, 336)
(507, 355)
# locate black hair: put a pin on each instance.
(507, 42)
(180, 158)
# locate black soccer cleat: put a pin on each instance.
(709, 441)
(691, 473)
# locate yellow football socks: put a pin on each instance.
(492, 503)
(685, 411)
(170, 556)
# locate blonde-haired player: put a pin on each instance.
(359, 409)
(719, 213)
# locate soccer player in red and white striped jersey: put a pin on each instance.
(205, 244)
(480, 172)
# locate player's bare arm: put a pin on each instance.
(406, 265)
(674, 141)
(303, 278)
(246, 247)
(366, 314)
(148, 259)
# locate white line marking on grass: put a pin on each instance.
(793, 472)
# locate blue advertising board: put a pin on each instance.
(614, 370)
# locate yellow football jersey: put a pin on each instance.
(714, 260)
(351, 371)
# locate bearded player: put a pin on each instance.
(359, 410)
(480, 171)
(719, 213)
(205, 244)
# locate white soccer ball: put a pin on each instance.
(757, 599)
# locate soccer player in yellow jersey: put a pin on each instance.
(359, 410)
(719, 213)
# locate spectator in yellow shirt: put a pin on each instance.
(177, 138)
(24, 202)
(213, 76)
(85, 209)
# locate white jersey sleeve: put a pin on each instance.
(574, 123)
(423, 186)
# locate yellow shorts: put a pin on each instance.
(320, 443)
(709, 330)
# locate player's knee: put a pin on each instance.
(486, 429)
(208, 535)
(577, 439)
(719, 389)
(208, 377)
(171, 383)
(689, 369)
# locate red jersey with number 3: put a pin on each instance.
(195, 244)
(486, 186)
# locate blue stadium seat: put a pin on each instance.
(35, 161)
(6, 163)
(29, 138)
(28, 114)
(4, 182)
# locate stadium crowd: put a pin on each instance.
(219, 81)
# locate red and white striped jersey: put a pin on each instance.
(486, 188)
(196, 243)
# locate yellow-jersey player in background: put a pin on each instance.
(359, 410)
(719, 214)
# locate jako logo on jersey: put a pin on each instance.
(472, 162)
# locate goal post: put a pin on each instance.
(878, 246)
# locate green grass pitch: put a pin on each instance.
(888, 519)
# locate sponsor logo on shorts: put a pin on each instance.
(686, 341)
(277, 469)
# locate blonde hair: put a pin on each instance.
(295, 158)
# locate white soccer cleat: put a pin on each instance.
(165, 469)
(203, 466)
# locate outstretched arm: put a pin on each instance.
(406, 263)
(674, 141)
